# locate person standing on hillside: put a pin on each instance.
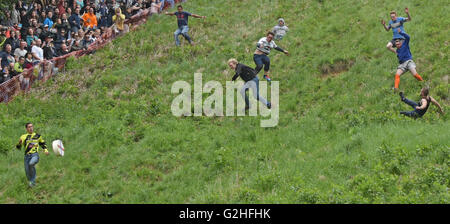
(405, 59)
(31, 142)
(394, 24)
(421, 107)
(262, 51)
(251, 82)
(182, 18)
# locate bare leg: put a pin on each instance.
(415, 74)
(397, 79)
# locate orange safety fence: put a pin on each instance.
(47, 68)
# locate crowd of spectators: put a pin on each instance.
(44, 29)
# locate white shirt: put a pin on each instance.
(20, 53)
(266, 46)
(38, 52)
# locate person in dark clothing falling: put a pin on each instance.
(251, 82)
(421, 107)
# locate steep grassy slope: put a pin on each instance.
(340, 138)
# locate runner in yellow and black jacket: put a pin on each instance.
(31, 143)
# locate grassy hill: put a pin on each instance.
(340, 138)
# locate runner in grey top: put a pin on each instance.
(280, 30)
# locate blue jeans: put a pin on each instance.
(260, 61)
(254, 85)
(30, 161)
(172, 4)
(183, 31)
(413, 113)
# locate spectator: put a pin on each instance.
(12, 71)
(24, 19)
(5, 75)
(60, 39)
(96, 36)
(42, 17)
(75, 20)
(85, 10)
(62, 5)
(87, 40)
(31, 37)
(52, 6)
(118, 20)
(155, 6)
(56, 15)
(28, 61)
(21, 51)
(136, 7)
(68, 12)
(76, 46)
(104, 13)
(15, 15)
(2, 36)
(36, 27)
(19, 65)
(90, 20)
(45, 33)
(17, 29)
(49, 20)
(13, 40)
(60, 26)
(63, 50)
(114, 5)
(6, 55)
(37, 51)
(163, 2)
(76, 37)
(8, 22)
(49, 48)
(80, 3)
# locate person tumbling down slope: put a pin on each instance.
(263, 48)
(395, 23)
(404, 59)
(280, 29)
(251, 82)
(183, 28)
(421, 107)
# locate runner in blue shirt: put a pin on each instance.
(405, 59)
(182, 18)
(394, 24)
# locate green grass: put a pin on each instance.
(340, 138)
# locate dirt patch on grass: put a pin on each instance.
(336, 68)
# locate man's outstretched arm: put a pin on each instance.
(197, 16)
(437, 104)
